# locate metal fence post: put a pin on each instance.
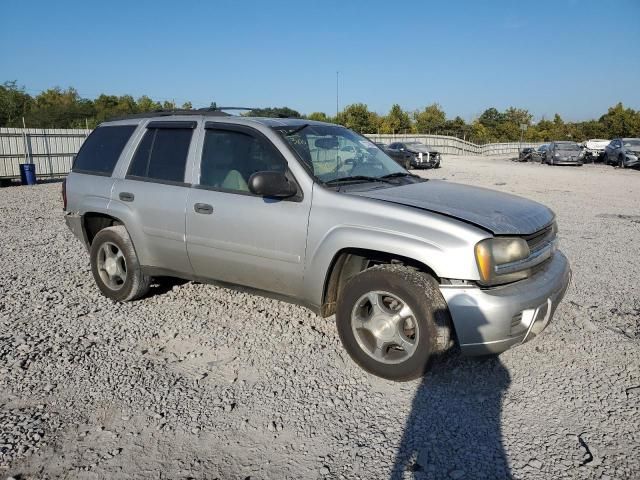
(46, 146)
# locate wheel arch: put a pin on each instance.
(349, 261)
(93, 222)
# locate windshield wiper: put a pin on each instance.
(356, 178)
(296, 130)
(400, 174)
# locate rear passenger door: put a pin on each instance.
(154, 194)
(234, 235)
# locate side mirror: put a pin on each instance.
(271, 184)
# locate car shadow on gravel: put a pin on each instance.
(162, 285)
(454, 427)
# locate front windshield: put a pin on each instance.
(332, 152)
(632, 142)
(568, 146)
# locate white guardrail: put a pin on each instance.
(454, 145)
(52, 149)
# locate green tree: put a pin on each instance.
(145, 104)
(357, 117)
(396, 121)
(491, 119)
(57, 108)
(621, 122)
(479, 133)
(14, 104)
(274, 112)
(430, 119)
(187, 106)
(318, 116)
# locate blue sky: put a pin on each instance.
(568, 56)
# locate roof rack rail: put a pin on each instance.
(227, 108)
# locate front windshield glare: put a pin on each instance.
(334, 152)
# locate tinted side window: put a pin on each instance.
(229, 158)
(101, 150)
(162, 154)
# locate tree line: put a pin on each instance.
(65, 108)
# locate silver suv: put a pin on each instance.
(410, 267)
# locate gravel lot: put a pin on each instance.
(197, 381)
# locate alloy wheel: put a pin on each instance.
(385, 327)
(112, 266)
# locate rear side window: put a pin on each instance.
(100, 151)
(162, 155)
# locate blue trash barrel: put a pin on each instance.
(28, 173)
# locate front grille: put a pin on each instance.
(541, 237)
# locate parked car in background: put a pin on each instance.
(414, 155)
(409, 266)
(623, 152)
(594, 149)
(540, 153)
(564, 153)
(526, 154)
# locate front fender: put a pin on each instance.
(455, 260)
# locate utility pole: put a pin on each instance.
(337, 89)
(523, 127)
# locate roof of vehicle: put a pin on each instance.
(220, 114)
(630, 138)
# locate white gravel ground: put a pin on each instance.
(197, 381)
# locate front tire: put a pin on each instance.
(392, 320)
(115, 265)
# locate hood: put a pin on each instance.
(420, 148)
(500, 213)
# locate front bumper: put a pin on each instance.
(425, 160)
(632, 161)
(493, 320)
(567, 162)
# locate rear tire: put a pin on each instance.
(397, 338)
(115, 265)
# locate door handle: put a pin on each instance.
(126, 196)
(203, 208)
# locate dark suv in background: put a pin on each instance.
(413, 155)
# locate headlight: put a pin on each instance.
(499, 251)
(556, 154)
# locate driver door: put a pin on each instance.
(238, 237)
